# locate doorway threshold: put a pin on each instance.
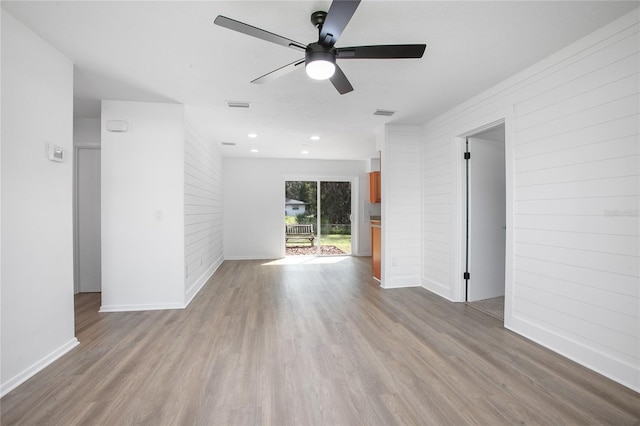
(493, 307)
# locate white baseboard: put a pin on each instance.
(201, 281)
(437, 288)
(402, 281)
(144, 307)
(615, 369)
(252, 257)
(38, 366)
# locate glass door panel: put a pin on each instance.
(300, 208)
(335, 218)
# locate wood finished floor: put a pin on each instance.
(319, 343)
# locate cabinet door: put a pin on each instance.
(374, 187)
(376, 250)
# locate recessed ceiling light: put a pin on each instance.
(315, 138)
(254, 150)
(305, 152)
(252, 135)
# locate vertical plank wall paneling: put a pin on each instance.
(401, 207)
(574, 155)
(203, 234)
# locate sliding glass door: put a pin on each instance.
(317, 218)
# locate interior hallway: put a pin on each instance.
(314, 343)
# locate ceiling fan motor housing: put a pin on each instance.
(317, 52)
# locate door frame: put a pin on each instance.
(355, 196)
(505, 117)
(476, 222)
(76, 225)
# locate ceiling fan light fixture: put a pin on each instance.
(320, 70)
(320, 57)
(319, 62)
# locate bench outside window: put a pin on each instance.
(299, 233)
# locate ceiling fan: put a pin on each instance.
(320, 57)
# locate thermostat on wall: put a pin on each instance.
(56, 153)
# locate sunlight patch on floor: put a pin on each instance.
(306, 260)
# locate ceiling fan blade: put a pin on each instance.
(278, 72)
(340, 81)
(338, 17)
(247, 29)
(390, 51)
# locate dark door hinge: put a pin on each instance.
(467, 276)
(467, 155)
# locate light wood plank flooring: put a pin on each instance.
(319, 343)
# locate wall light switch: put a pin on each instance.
(158, 215)
(55, 153)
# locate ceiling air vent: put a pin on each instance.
(228, 144)
(238, 104)
(384, 112)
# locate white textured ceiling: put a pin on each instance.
(170, 51)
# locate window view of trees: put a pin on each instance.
(335, 202)
(305, 192)
(335, 198)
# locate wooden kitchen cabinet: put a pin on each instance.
(376, 248)
(374, 187)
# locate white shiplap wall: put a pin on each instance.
(574, 183)
(438, 189)
(401, 206)
(203, 234)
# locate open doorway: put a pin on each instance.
(318, 218)
(87, 222)
(486, 220)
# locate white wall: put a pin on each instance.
(203, 222)
(86, 131)
(572, 128)
(37, 263)
(401, 206)
(143, 207)
(254, 202)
